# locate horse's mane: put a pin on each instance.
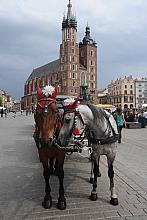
(98, 114)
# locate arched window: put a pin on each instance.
(83, 79)
(125, 106)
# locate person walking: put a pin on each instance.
(120, 119)
(2, 112)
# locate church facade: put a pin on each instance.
(75, 71)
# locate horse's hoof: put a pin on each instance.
(61, 204)
(47, 203)
(99, 174)
(91, 180)
(93, 196)
(114, 201)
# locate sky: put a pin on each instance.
(30, 35)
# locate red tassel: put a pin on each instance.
(39, 92)
(76, 131)
(59, 124)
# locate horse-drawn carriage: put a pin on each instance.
(59, 132)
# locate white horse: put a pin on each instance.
(101, 131)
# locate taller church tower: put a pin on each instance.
(69, 55)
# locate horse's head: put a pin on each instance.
(46, 115)
(69, 119)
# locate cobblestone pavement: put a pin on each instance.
(22, 183)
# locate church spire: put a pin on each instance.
(70, 21)
(69, 14)
(87, 39)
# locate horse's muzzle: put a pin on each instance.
(46, 143)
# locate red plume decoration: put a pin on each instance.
(39, 92)
(73, 105)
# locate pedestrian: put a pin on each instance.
(5, 112)
(2, 112)
(120, 119)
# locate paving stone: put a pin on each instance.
(22, 182)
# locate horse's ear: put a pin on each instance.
(55, 91)
(39, 92)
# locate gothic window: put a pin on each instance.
(73, 83)
(91, 53)
(82, 54)
(63, 76)
(73, 75)
(83, 79)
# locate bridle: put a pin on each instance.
(86, 133)
(42, 109)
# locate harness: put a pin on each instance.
(42, 108)
(105, 138)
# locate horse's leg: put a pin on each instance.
(114, 199)
(51, 163)
(92, 174)
(60, 172)
(47, 203)
(93, 195)
(98, 170)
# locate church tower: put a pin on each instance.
(69, 55)
(88, 58)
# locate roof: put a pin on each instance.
(45, 70)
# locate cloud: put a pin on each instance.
(31, 35)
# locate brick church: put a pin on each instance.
(75, 71)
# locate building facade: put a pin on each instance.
(5, 100)
(140, 92)
(102, 97)
(121, 92)
(75, 71)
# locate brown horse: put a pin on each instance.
(46, 119)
